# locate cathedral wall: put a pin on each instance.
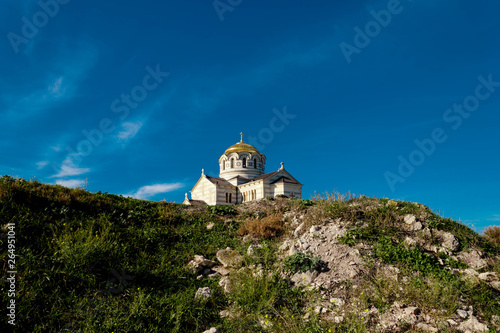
(251, 191)
(205, 191)
(221, 195)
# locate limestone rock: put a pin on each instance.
(224, 271)
(205, 292)
(304, 279)
(252, 249)
(450, 242)
(489, 276)
(210, 226)
(200, 263)
(212, 330)
(495, 285)
(293, 250)
(426, 328)
(299, 230)
(339, 302)
(225, 284)
(473, 326)
(314, 229)
(462, 314)
(417, 226)
(410, 219)
(229, 257)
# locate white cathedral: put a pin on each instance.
(242, 179)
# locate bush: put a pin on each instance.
(268, 227)
(301, 262)
(493, 234)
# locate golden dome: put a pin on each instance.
(241, 147)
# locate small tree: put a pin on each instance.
(493, 234)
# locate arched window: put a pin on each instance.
(223, 165)
(227, 197)
(232, 163)
(255, 163)
(230, 197)
(244, 162)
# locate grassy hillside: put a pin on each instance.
(97, 262)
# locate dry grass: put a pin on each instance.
(268, 227)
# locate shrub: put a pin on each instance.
(493, 234)
(268, 227)
(300, 262)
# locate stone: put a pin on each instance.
(210, 226)
(224, 271)
(417, 226)
(473, 259)
(204, 261)
(451, 322)
(229, 257)
(426, 328)
(338, 319)
(305, 278)
(285, 245)
(473, 325)
(462, 314)
(204, 292)
(225, 313)
(293, 250)
(339, 302)
(489, 276)
(225, 284)
(314, 229)
(495, 285)
(410, 219)
(299, 230)
(252, 249)
(212, 330)
(450, 242)
(410, 243)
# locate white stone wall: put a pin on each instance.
(251, 191)
(205, 191)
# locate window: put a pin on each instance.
(232, 163)
(223, 165)
(244, 162)
(229, 197)
(255, 163)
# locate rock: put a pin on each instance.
(286, 244)
(212, 330)
(410, 219)
(338, 320)
(222, 270)
(473, 325)
(299, 230)
(252, 249)
(229, 257)
(247, 238)
(410, 243)
(204, 261)
(449, 241)
(205, 292)
(426, 328)
(293, 250)
(339, 302)
(225, 284)
(314, 229)
(224, 314)
(412, 310)
(462, 314)
(489, 276)
(473, 259)
(495, 285)
(304, 279)
(451, 322)
(417, 226)
(210, 226)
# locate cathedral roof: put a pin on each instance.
(217, 180)
(241, 147)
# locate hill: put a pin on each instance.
(97, 262)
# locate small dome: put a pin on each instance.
(241, 147)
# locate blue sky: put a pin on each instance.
(396, 99)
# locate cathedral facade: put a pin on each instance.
(242, 178)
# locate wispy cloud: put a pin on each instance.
(495, 218)
(71, 182)
(146, 192)
(69, 169)
(130, 129)
(40, 165)
(57, 89)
